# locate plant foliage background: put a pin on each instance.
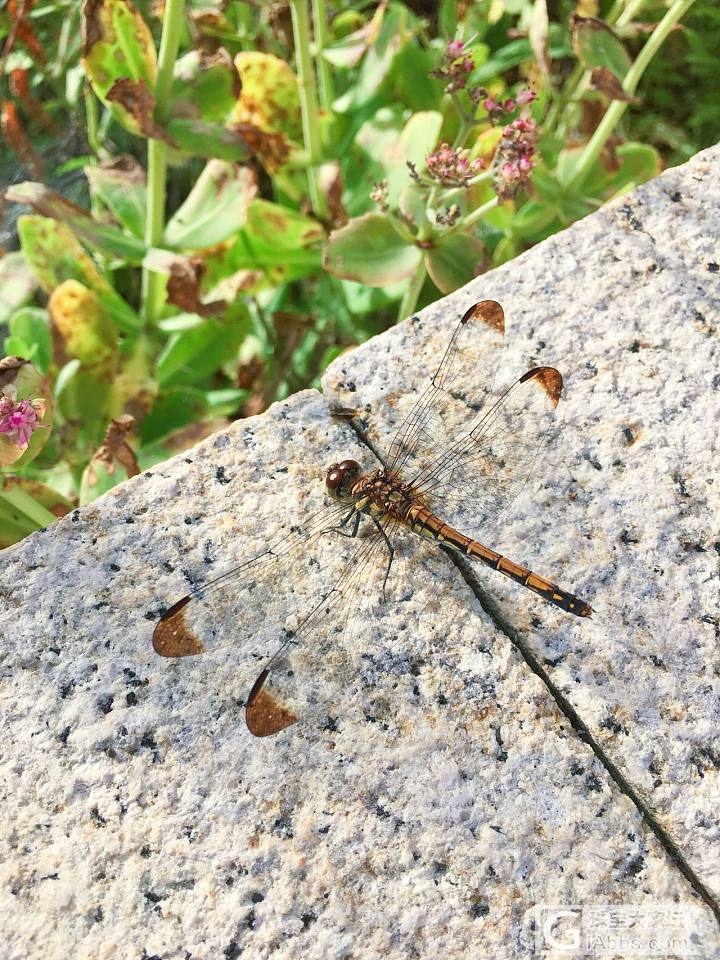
(207, 200)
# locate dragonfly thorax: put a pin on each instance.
(379, 494)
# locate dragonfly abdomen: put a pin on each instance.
(427, 524)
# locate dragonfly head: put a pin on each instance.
(340, 478)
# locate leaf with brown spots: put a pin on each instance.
(606, 82)
(102, 237)
(137, 106)
(183, 287)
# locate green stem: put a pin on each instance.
(617, 108)
(153, 284)
(410, 297)
(458, 191)
(321, 41)
(631, 9)
(308, 103)
(467, 122)
(20, 500)
(620, 14)
(91, 119)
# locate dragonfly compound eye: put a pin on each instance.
(340, 477)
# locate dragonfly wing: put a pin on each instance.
(312, 662)
(458, 390)
(476, 477)
(191, 624)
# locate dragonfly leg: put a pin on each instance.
(356, 523)
(391, 554)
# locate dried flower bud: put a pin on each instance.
(449, 216)
(379, 194)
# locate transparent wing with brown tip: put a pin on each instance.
(215, 612)
(457, 391)
(480, 473)
(312, 673)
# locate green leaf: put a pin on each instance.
(418, 138)
(412, 203)
(596, 45)
(369, 250)
(454, 261)
(200, 139)
(224, 402)
(361, 299)
(14, 525)
(284, 228)
(97, 480)
(204, 87)
(17, 283)
(121, 188)
(353, 43)
(27, 505)
(215, 208)
(377, 61)
(65, 377)
(517, 52)
(174, 408)
(30, 337)
(118, 46)
(83, 400)
(55, 255)
(411, 77)
(194, 354)
(639, 162)
(101, 237)
(532, 218)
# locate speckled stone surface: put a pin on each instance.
(444, 795)
(625, 505)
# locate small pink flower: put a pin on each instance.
(451, 167)
(515, 156)
(525, 96)
(491, 105)
(18, 420)
(508, 105)
(454, 67)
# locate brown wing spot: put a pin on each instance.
(263, 714)
(173, 637)
(549, 379)
(489, 312)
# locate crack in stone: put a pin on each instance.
(503, 625)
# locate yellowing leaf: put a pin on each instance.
(118, 46)
(269, 98)
(82, 329)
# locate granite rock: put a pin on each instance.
(437, 794)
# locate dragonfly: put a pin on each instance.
(455, 463)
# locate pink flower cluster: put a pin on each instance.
(515, 157)
(497, 111)
(451, 167)
(455, 66)
(18, 420)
